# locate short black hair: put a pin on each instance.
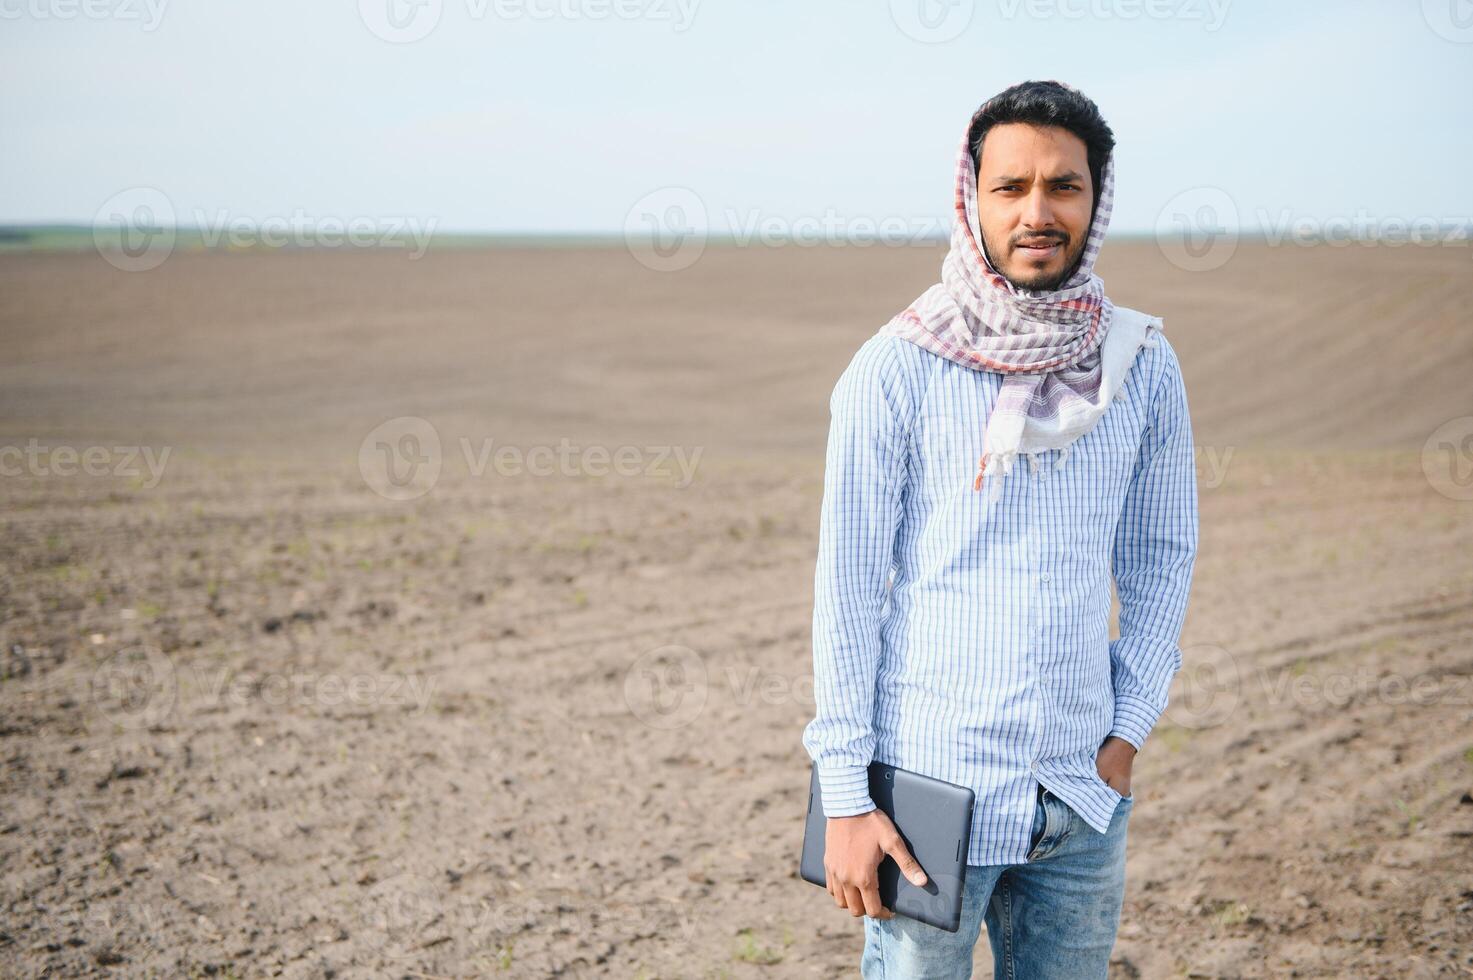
(1047, 104)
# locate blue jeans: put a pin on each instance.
(1053, 917)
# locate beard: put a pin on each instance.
(1041, 280)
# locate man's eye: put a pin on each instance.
(1068, 187)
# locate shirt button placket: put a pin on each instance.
(1040, 604)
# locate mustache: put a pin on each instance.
(1038, 238)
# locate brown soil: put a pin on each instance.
(258, 719)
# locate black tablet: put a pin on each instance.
(934, 819)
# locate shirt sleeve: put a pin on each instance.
(1155, 551)
(864, 476)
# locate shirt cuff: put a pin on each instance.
(845, 790)
(1134, 719)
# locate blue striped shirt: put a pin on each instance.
(974, 645)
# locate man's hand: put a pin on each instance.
(1113, 762)
(853, 849)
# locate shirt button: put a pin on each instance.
(1044, 577)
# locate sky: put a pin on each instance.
(562, 116)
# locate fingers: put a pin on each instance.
(872, 904)
(909, 866)
(1119, 783)
(860, 900)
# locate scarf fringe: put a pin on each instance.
(1002, 465)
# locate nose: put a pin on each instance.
(1037, 214)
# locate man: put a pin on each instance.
(987, 661)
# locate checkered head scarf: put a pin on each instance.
(1049, 343)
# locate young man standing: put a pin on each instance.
(961, 620)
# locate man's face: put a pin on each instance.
(1033, 202)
